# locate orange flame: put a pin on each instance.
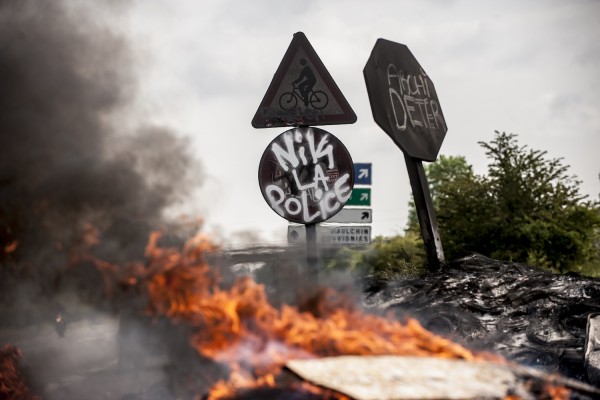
(11, 247)
(238, 326)
(12, 382)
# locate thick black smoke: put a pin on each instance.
(65, 162)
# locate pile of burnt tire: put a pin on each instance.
(536, 318)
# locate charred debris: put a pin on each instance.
(528, 315)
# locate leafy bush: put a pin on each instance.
(400, 256)
(526, 209)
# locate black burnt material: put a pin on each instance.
(278, 394)
(529, 315)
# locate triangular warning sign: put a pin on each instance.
(302, 92)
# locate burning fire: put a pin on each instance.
(238, 326)
(12, 382)
(11, 247)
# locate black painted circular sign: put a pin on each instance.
(306, 175)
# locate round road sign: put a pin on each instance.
(306, 175)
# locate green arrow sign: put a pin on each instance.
(360, 197)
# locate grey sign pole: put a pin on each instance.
(425, 213)
(311, 253)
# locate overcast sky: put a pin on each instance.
(525, 67)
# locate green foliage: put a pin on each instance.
(526, 209)
(466, 217)
(400, 256)
(445, 169)
(396, 256)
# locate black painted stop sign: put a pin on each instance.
(404, 101)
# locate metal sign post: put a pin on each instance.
(306, 174)
(312, 258)
(406, 106)
(425, 213)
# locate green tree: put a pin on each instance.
(445, 169)
(399, 256)
(526, 209)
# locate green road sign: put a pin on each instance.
(360, 197)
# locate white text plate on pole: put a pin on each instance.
(333, 234)
(353, 215)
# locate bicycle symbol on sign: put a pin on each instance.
(302, 89)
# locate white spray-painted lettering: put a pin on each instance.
(288, 157)
(309, 165)
(411, 100)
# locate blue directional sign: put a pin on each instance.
(362, 173)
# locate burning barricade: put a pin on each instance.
(259, 343)
(228, 341)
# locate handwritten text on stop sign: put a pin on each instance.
(293, 157)
(411, 100)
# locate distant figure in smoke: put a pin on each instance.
(60, 324)
(306, 81)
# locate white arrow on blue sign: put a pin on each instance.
(362, 173)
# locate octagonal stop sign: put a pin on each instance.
(404, 101)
